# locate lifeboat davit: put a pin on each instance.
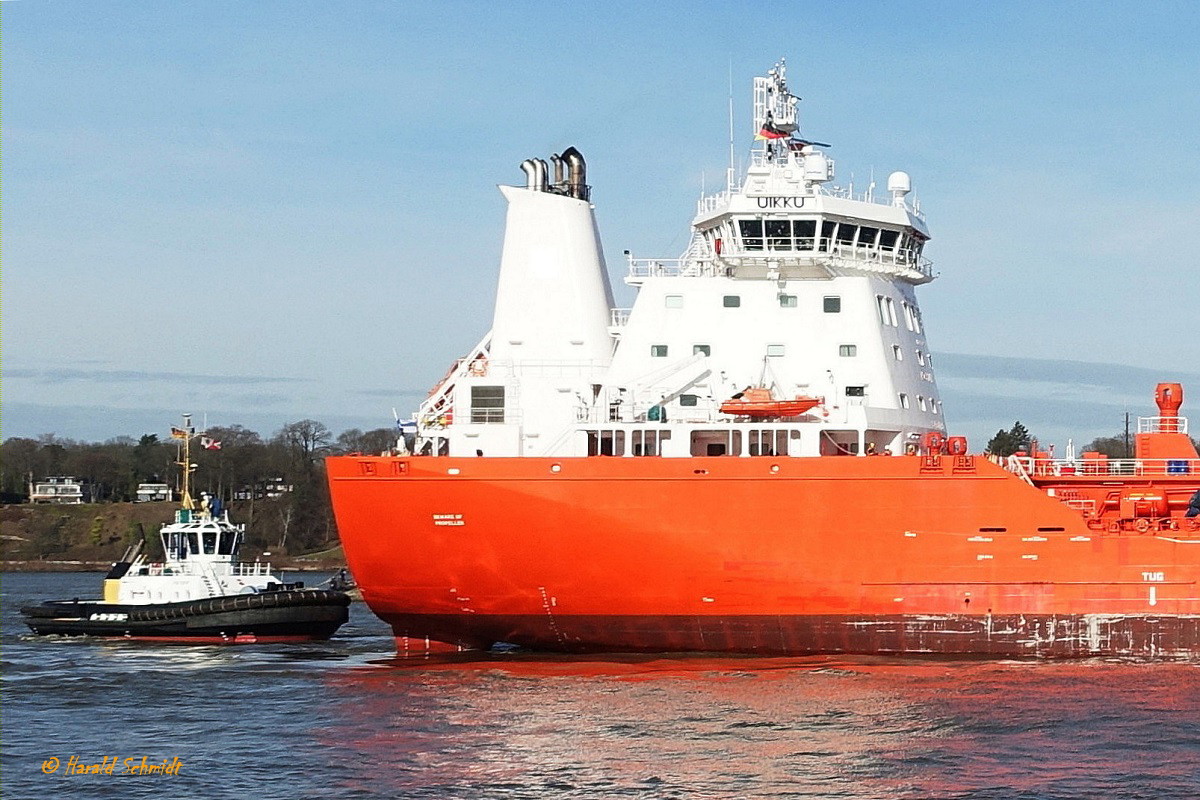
(759, 404)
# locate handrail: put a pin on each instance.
(1130, 467)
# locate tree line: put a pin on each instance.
(240, 472)
(1018, 437)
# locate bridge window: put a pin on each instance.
(658, 351)
(805, 231)
(228, 545)
(827, 229)
(752, 233)
(867, 236)
(887, 239)
(779, 234)
(787, 301)
(845, 233)
(702, 349)
(487, 404)
(674, 301)
(210, 542)
(847, 350)
(732, 301)
(833, 304)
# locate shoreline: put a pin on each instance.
(103, 566)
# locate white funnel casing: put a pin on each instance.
(554, 298)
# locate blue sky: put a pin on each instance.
(267, 211)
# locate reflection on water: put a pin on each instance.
(344, 719)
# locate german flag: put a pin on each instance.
(178, 433)
(769, 131)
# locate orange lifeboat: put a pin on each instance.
(759, 404)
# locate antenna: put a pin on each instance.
(729, 175)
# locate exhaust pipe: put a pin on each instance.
(530, 170)
(540, 173)
(559, 183)
(576, 173)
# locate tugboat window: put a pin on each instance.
(779, 234)
(732, 301)
(805, 231)
(210, 542)
(827, 230)
(752, 233)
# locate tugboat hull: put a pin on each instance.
(289, 616)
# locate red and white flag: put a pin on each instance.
(209, 443)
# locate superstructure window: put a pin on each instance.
(920, 358)
(847, 350)
(887, 239)
(833, 304)
(827, 229)
(856, 391)
(732, 301)
(921, 402)
(689, 400)
(867, 236)
(909, 317)
(705, 349)
(845, 233)
(805, 231)
(775, 350)
(899, 353)
(891, 312)
(787, 301)
(752, 234)
(674, 301)
(779, 234)
(658, 351)
(903, 400)
(487, 404)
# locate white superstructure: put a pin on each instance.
(789, 284)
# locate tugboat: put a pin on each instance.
(200, 593)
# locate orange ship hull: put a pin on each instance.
(904, 555)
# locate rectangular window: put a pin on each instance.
(881, 308)
(827, 230)
(899, 354)
(779, 234)
(847, 350)
(732, 301)
(805, 231)
(856, 391)
(706, 349)
(920, 358)
(845, 234)
(689, 400)
(658, 351)
(787, 301)
(887, 239)
(752, 233)
(909, 319)
(487, 404)
(866, 236)
(833, 305)
(921, 402)
(775, 350)
(903, 400)
(674, 301)
(648, 443)
(891, 312)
